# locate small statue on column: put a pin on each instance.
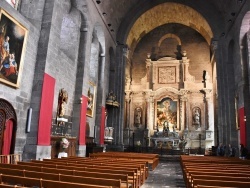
(196, 116)
(62, 101)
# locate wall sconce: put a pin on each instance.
(245, 118)
(80, 100)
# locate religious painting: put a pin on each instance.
(91, 99)
(13, 38)
(13, 3)
(166, 116)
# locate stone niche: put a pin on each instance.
(169, 101)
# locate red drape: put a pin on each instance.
(242, 125)
(7, 137)
(83, 118)
(102, 126)
(46, 110)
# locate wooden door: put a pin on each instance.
(2, 125)
(8, 128)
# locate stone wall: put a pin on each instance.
(191, 41)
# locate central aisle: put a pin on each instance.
(168, 174)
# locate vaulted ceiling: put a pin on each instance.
(129, 20)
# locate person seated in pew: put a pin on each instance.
(243, 151)
(221, 150)
(231, 151)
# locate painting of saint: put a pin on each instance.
(12, 41)
(166, 114)
(91, 100)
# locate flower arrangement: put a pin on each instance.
(64, 143)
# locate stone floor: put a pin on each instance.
(168, 174)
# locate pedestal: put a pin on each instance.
(62, 154)
(56, 147)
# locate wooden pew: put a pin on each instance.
(61, 177)
(221, 183)
(93, 174)
(38, 182)
(102, 161)
(215, 171)
(152, 159)
(218, 178)
(8, 186)
(102, 164)
(131, 172)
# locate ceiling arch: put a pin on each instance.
(168, 13)
(169, 35)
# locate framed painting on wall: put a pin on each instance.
(13, 3)
(91, 99)
(236, 113)
(166, 115)
(13, 38)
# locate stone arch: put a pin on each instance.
(164, 42)
(167, 91)
(245, 27)
(169, 35)
(97, 76)
(168, 13)
(69, 35)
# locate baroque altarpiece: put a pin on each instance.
(169, 104)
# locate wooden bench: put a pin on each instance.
(133, 176)
(8, 186)
(39, 182)
(143, 171)
(197, 182)
(60, 177)
(218, 178)
(215, 171)
(152, 159)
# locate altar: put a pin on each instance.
(165, 142)
(169, 108)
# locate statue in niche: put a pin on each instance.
(62, 101)
(138, 114)
(196, 116)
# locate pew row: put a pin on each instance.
(38, 182)
(68, 176)
(152, 159)
(215, 171)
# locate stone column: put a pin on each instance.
(126, 133)
(149, 73)
(122, 51)
(150, 114)
(183, 122)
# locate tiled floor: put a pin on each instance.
(168, 174)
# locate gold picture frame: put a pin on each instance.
(91, 99)
(13, 38)
(236, 113)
